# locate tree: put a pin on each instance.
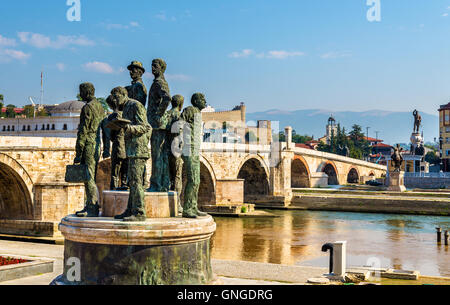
(28, 111)
(432, 158)
(359, 146)
(281, 137)
(324, 147)
(42, 113)
(250, 137)
(102, 100)
(2, 97)
(10, 112)
(299, 139)
(1, 108)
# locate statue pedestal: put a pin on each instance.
(397, 182)
(164, 251)
(157, 205)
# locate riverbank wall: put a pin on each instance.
(407, 204)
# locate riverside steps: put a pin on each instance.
(157, 251)
(410, 202)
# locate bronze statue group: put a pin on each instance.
(175, 138)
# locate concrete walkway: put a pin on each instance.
(229, 272)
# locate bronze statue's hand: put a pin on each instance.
(77, 160)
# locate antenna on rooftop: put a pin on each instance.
(34, 106)
(42, 88)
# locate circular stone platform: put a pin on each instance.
(159, 251)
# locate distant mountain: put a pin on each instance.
(393, 127)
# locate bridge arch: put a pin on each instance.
(207, 189)
(16, 190)
(300, 173)
(256, 177)
(103, 179)
(353, 175)
(330, 169)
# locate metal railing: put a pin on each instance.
(428, 175)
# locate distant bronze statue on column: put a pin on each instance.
(417, 121)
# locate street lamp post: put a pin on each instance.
(441, 152)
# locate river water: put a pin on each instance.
(296, 238)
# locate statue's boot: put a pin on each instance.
(127, 213)
(90, 210)
(82, 213)
(153, 189)
(135, 218)
(180, 208)
(189, 213)
(200, 213)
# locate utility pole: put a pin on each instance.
(42, 87)
(377, 132)
(367, 133)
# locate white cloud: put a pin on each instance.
(61, 67)
(7, 55)
(332, 55)
(283, 54)
(270, 54)
(171, 77)
(117, 26)
(7, 42)
(445, 15)
(163, 17)
(41, 41)
(178, 77)
(242, 54)
(99, 67)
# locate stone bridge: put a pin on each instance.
(34, 196)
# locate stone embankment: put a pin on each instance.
(416, 203)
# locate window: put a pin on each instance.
(65, 127)
(447, 129)
(36, 128)
(53, 126)
(48, 126)
(448, 152)
(9, 128)
(13, 128)
(4, 128)
(23, 128)
(28, 128)
(43, 127)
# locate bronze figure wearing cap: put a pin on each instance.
(137, 89)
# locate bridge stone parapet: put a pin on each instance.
(32, 171)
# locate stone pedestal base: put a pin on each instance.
(173, 251)
(158, 205)
(397, 182)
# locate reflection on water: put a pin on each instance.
(296, 237)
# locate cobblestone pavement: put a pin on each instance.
(229, 272)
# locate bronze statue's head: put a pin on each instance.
(159, 66)
(177, 102)
(110, 102)
(199, 101)
(119, 96)
(136, 70)
(87, 92)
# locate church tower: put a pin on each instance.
(331, 129)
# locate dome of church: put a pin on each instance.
(68, 107)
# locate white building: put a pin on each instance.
(62, 123)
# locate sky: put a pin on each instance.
(284, 54)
